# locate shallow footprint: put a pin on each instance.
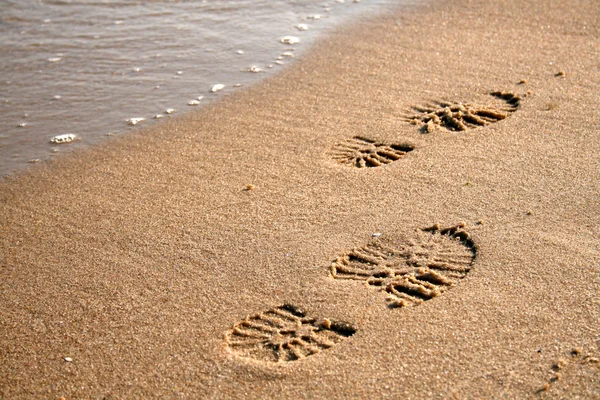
(411, 269)
(458, 116)
(285, 333)
(361, 152)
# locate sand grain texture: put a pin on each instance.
(136, 258)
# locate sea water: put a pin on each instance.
(88, 69)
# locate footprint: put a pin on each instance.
(411, 269)
(285, 333)
(456, 116)
(362, 152)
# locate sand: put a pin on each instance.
(193, 259)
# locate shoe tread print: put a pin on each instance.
(457, 116)
(413, 269)
(362, 152)
(284, 334)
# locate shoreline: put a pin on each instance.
(127, 268)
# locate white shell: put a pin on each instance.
(169, 111)
(193, 103)
(217, 87)
(66, 138)
(289, 40)
(135, 121)
(158, 116)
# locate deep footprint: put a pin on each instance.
(362, 152)
(456, 116)
(411, 269)
(283, 334)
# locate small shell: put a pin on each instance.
(66, 138)
(193, 103)
(217, 87)
(169, 111)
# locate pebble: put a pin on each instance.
(240, 51)
(287, 54)
(158, 116)
(22, 125)
(302, 27)
(68, 359)
(169, 111)
(137, 69)
(279, 62)
(314, 17)
(135, 121)
(61, 139)
(217, 87)
(54, 59)
(179, 72)
(289, 40)
(237, 85)
(193, 103)
(376, 234)
(57, 97)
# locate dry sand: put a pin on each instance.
(136, 259)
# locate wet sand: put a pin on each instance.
(238, 252)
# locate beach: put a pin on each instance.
(409, 211)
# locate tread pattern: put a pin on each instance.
(362, 152)
(456, 116)
(413, 269)
(285, 333)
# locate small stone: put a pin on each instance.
(35, 160)
(302, 27)
(560, 73)
(169, 111)
(279, 62)
(249, 187)
(22, 125)
(136, 69)
(240, 51)
(376, 234)
(314, 17)
(158, 116)
(54, 59)
(193, 103)
(179, 72)
(68, 359)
